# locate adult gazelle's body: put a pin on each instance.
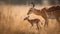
(56, 12)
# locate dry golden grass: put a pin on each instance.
(11, 21)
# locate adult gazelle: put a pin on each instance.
(47, 13)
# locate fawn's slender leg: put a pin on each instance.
(37, 26)
(31, 25)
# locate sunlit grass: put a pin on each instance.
(11, 21)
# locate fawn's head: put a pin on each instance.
(26, 18)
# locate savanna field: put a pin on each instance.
(12, 21)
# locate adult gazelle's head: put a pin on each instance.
(30, 11)
(35, 11)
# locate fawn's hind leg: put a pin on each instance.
(31, 26)
(37, 26)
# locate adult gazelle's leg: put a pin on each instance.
(46, 21)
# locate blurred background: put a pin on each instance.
(13, 12)
(25, 2)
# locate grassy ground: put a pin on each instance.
(11, 21)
